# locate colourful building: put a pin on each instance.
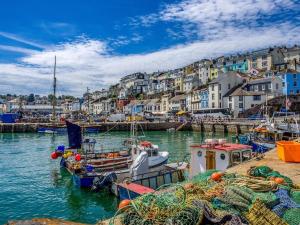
(203, 98)
(236, 65)
(213, 73)
(291, 83)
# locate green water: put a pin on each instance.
(33, 185)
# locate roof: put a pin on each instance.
(241, 92)
(228, 147)
(224, 76)
(233, 90)
(178, 97)
(261, 80)
(153, 101)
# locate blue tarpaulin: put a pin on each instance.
(9, 117)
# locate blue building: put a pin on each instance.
(291, 83)
(203, 98)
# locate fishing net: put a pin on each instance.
(292, 216)
(235, 199)
(259, 214)
(295, 195)
(267, 172)
(285, 202)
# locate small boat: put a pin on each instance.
(135, 186)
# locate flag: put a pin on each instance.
(288, 103)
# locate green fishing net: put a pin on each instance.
(295, 195)
(292, 216)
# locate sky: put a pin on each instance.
(98, 42)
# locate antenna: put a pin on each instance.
(54, 92)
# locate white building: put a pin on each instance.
(271, 86)
(204, 71)
(220, 86)
(153, 106)
(178, 103)
(240, 100)
(190, 81)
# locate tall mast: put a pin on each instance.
(88, 93)
(54, 92)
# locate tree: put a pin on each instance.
(30, 98)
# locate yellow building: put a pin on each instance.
(213, 73)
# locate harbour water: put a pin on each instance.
(32, 185)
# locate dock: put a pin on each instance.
(235, 127)
(292, 170)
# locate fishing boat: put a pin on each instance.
(218, 155)
(86, 164)
(135, 186)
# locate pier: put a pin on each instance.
(235, 127)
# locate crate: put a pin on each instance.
(288, 151)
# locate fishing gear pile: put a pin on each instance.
(262, 197)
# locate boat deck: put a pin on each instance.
(292, 170)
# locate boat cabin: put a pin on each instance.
(217, 154)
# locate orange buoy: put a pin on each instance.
(216, 176)
(279, 180)
(124, 203)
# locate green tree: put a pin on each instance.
(30, 98)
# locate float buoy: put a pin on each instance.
(54, 155)
(77, 157)
(124, 203)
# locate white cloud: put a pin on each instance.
(16, 49)
(21, 40)
(89, 62)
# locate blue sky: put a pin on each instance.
(97, 42)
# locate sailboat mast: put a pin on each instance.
(54, 92)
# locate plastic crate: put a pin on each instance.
(288, 151)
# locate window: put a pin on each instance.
(213, 105)
(236, 158)
(269, 86)
(297, 91)
(241, 105)
(264, 64)
(228, 86)
(246, 155)
(263, 87)
(240, 98)
(219, 86)
(220, 105)
(283, 84)
(230, 98)
(294, 76)
(255, 87)
(291, 92)
(213, 96)
(295, 83)
(277, 86)
(222, 156)
(264, 57)
(230, 106)
(256, 98)
(213, 87)
(219, 96)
